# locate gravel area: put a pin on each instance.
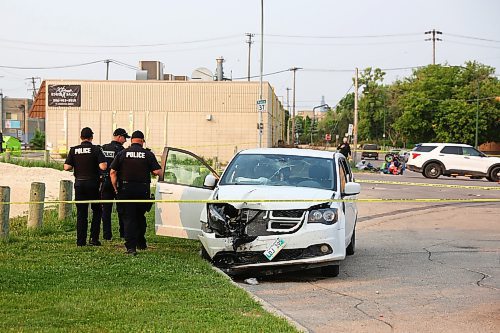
(19, 180)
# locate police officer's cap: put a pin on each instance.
(86, 133)
(121, 132)
(138, 135)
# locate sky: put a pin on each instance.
(327, 39)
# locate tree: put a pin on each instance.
(372, 105)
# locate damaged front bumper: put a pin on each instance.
(311, 246)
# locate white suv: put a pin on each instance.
(451, 159)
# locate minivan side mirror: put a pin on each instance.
(352, 188)
(210, 181)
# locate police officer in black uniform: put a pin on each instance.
(131, 177)
(87, 160)
(110, 150)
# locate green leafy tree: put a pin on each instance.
(372, 105)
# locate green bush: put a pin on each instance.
(38, 140)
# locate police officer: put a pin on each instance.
(344, 148)
(133, 167)
(87, 160)
(110, 150)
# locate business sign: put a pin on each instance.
(12, 124)
(65, 95)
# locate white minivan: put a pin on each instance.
(272, 210)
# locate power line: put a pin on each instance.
(472, 44)
(476, 38)
(268, 74)
(344, 36)
(55, 67)
(121, 46)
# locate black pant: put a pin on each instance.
(108, 193)
(134, 221)
(87, 190)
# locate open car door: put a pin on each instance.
(182, 179)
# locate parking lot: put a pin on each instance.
(418, 266)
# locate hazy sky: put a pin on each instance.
(52, 33)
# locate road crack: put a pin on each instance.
(360, 300)
(484, 276)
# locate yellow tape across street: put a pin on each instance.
(471, 187)
(254, 201)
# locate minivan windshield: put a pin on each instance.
(280, 170)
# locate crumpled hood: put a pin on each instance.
(262, 192)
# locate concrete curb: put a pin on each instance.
(267, 306)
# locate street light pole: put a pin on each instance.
(314, 118)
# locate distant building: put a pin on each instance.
(209, 118)
(14, 119)
(309, 113)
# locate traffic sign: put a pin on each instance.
(328, 137)
(349, 131)
(262, 105)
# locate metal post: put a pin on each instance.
(65, 194)
(289, 115)
(249, 42)
(35, 211)
(294, 70)
(4, 212)
(355, 129)
(261, 65)
(477, 115)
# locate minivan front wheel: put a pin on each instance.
(352, 246)
(432, 170)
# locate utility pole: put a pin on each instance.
(33, 82)
(294, 70)
(289, 115)
(434, 32)
(355, 129)
(249, 42)
(107, 61)
(261, 125)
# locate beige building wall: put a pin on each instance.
(211, 119)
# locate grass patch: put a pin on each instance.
(49, 284)
(33, 163)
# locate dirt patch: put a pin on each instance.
(19, 180)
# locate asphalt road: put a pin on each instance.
(418, 267)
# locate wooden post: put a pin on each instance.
(65, 194)
(7, 156)
(35, 211)
(4, 212)
(46, 156)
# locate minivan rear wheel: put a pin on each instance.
(432, 170)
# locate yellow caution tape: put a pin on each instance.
(254, 201)
(471, 187)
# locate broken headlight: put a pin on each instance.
(325, 216)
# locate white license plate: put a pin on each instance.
(275, 248)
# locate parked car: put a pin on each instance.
(370, 151)
(450, 159)
(270, 211)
